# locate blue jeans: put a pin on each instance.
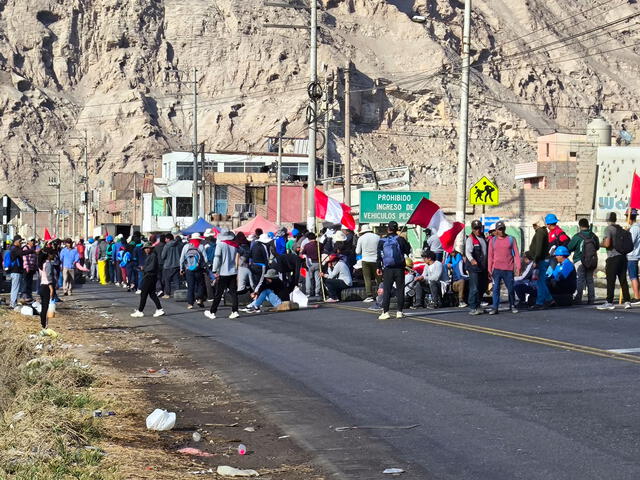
(267, 295)
(506, 276)
(543, 290)
(16, 283)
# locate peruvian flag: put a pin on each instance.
(331, 210)
(47, 235)
(634, 201)
(429, 215)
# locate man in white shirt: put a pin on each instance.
(434, 273)
(338, 278)
(367, 246)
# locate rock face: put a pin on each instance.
(123, 70)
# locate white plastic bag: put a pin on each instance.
(27, 310)
(161, 420)
(36, 306)
(227, 471)
(51, 313)
(300, 298)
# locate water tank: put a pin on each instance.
(599, 132)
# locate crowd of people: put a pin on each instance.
(556, 268)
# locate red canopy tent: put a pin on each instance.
(257, 222)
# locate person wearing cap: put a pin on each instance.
(367, 247)
(338, 278)
(539, 248)
(117, 270)
(616, 265)
(475, 254)
(272, 290)
(459, 277)
(433, 273)
(260, 254)
(310, 253)
(16, 268)
(192, 261)
(585, 267)
(392, 251)
(68, 258)
(557, 236)
(170, 264)
(503, 261)
(150, 273)
(30, 262)
(225, 271)
(562, 279)
(90, 258)
(634, 256)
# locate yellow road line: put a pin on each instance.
(512, 335)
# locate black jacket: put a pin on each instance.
(151, 265)
(405, 248)
(276, 286)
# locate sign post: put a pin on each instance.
(484, 192)
(383, 206)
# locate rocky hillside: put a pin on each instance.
(121, 69)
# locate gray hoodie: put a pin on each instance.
(170, 256)
(224, 260)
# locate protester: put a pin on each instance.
(475, 252)
(618, 243)
(14, 265)
(433, 274)
(46, 289)
(108, 256)
(271, 290)
(634, 257)
(391, 263)
(191, 266)
(90, 258)
(459, 278)
(525, 285)
(539, 249)
(433, 243)
(562, 279)
(585, 245)
(504, 260)
(150, 273)
(225, 270)
(310, 253)
(259, 259)
(170, 263)
(68, 258)
(367, 247)
(30, 263)
(338, 278)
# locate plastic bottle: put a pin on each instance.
(196, 437)
(242, 449)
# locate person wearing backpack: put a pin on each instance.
(192, 266)
(392, 250)
(475, 253)
(585, 245)
(634, 256)
(618, 243)
(504, 259)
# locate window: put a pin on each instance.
(243, 167)
(221, 199)
(547, 149)
(256, 195)
(184, 207)
(573, 154)
(184, 171)
(295, 169)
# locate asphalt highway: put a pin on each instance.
(440, 394)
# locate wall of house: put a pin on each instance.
(293, 203)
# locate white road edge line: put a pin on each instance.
(624, 350)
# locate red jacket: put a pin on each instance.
(557, 237)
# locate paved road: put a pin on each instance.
(531, 396)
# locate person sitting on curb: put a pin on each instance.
(434, 273)
(562, 279)
(459, 277)
(271, 289)
(525, 284)
(338, 278)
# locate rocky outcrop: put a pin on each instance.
(123, 71)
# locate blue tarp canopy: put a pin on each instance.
(199, 227)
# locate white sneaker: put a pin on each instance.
(627, 305)
(606, 306)
(137, 313)
(159, 313)
(210, 315)
(117, 284)
(138, 292)
(384, 316)
(368, 300)
(399, 315)
(462, 305)
(234, 315)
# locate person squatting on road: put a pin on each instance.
(391, 264)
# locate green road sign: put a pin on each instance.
(382, 206)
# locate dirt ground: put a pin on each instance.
(129, 363)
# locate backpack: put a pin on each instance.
(589, 252)
(622, 241)
(125, 258)
(391, 253)
(193, 259)
(210, 252)
(7, 263)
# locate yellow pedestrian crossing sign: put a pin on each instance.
(484, 192)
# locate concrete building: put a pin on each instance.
(616, 166)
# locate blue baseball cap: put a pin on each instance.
(550, 219)
(562, 251)
(109, 238)
(91, 240)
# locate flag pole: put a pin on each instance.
(324, 296)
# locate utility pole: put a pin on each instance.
(203, 181)
(347, 134)
(464, 115)
(58, 199)
(279, 200)
(313, 120)
(86, 186)
(196, 203)
(73, 203)
(328, 93)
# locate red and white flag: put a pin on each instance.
(634, 199)
(331, 210)
(429, 215)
